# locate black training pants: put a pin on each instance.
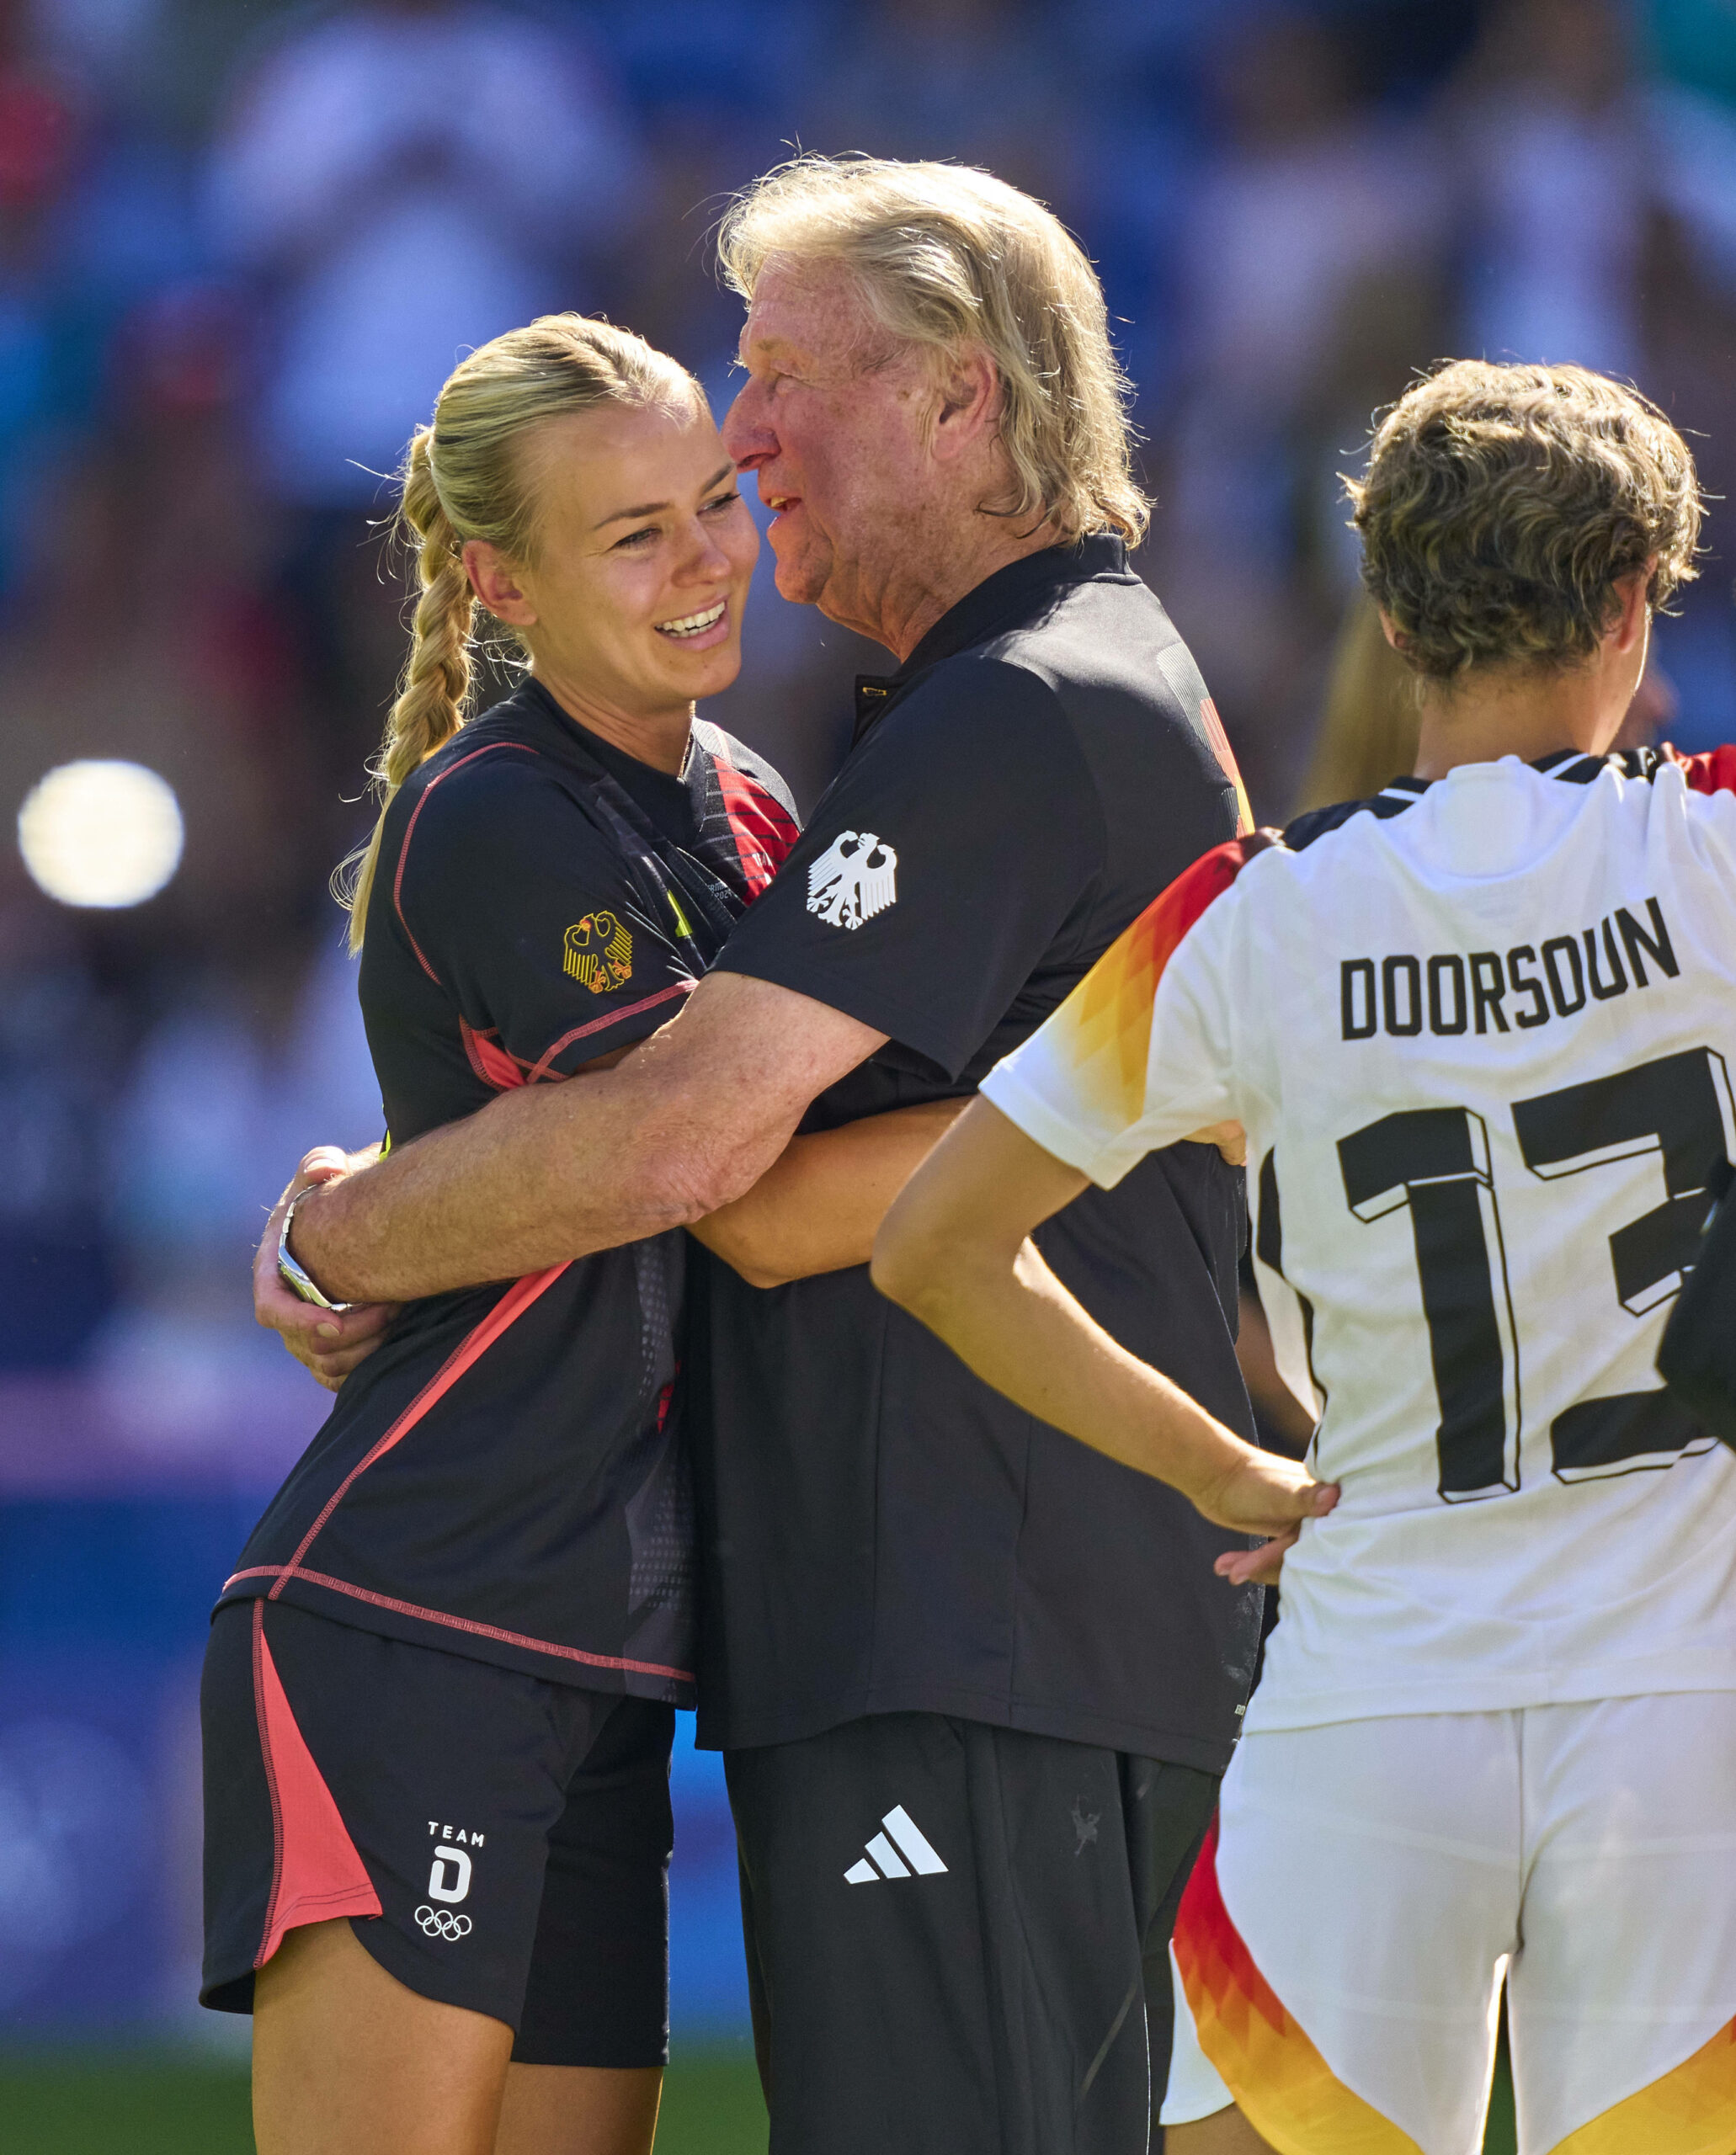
(957, 1936)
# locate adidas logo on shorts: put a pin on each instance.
(883, 1860)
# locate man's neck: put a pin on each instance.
(945, 572)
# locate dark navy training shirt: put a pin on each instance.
(882, 1533)
(507, 1476)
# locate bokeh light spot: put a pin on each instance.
(101, 834)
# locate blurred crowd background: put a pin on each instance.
(242, 245)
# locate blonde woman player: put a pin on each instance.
(438, 1694)
(1478, 1033)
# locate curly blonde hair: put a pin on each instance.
(1503, 505)
(468, 477)
(948, 257)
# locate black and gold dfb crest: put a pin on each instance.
(599, 953)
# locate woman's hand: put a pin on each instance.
(329, 1343)
(1259, 1567)
(1264, 1494)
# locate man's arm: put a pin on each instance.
(819, 1204)
(956, 1252)
(815, 1209)
(686, 1125)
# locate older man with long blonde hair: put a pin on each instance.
(976, 1683)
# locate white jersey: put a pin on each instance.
(1481, 1035)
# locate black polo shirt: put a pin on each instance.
(880, 1532)
(507, 1477)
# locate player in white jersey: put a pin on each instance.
(1480, 1035)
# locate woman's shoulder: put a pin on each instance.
(498, 742)
(494, 761)
(490, 802)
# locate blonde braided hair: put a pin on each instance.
(467, 476)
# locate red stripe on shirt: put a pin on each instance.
(397, 880)
(511, 1306)
(280, 1572)
(763, 829)
(489, 1059)
(502, 1071)
(545, 1068)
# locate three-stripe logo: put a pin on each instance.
(914, 1852)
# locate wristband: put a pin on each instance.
(299, 1281)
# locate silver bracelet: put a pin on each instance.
(297, 1278)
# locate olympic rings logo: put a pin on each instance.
(441, 1923)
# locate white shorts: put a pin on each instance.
(1195, 2088)
(1343, 1940)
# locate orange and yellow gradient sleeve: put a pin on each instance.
(1079, 1085)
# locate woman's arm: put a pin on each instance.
(819, 1204)
(956, 1251)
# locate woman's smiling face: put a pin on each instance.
(631, 605)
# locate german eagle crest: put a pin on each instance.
(854, 879)
(599, 953)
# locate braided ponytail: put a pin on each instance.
(462, 479)
(429, 709)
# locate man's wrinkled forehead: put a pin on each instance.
(809, 314)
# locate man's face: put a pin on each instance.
(832, 428)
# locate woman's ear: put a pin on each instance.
(1629, 627)
(1390, 628)
(495, 581)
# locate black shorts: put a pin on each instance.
(498, 1841)
(958, 1936)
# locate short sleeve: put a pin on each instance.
(939, 866)
(1138, 1056)
(515, 902)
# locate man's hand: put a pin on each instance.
(329, 1343)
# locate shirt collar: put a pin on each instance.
(1009, 594)
(1572, 764)
(620, 763)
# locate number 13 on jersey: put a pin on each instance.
(1435, 1162)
